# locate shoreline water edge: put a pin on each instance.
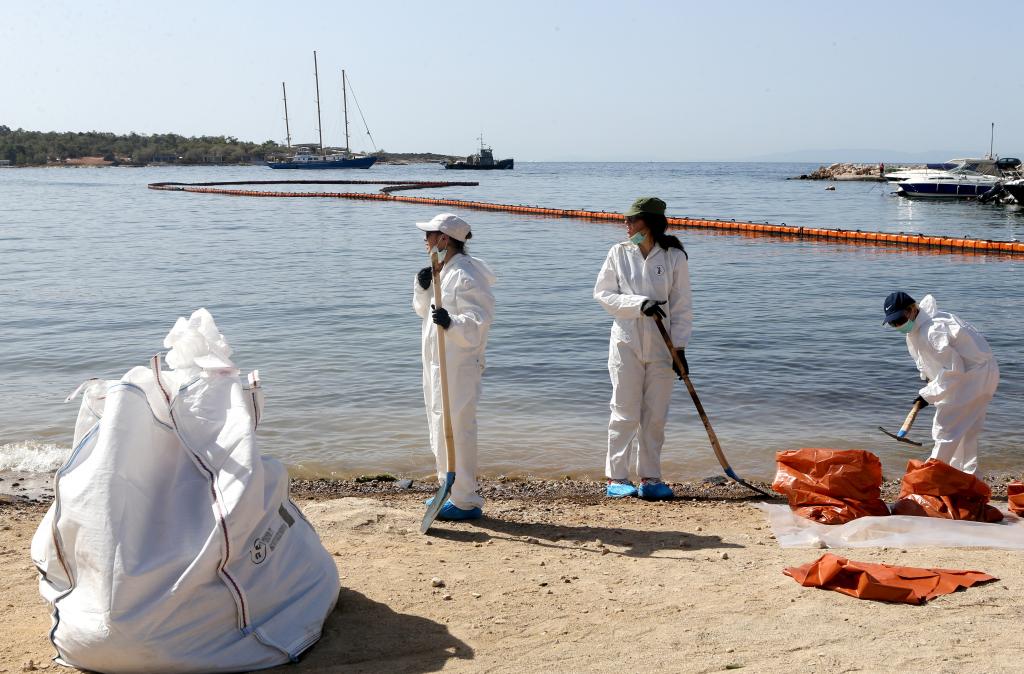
(36, 489)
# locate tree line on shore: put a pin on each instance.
(19, 147)
(40, 148)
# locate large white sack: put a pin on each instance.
(171, 544)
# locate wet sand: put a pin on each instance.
(556, 577)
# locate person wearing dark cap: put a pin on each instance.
(465, 314)
(962, 374)
(646, 276)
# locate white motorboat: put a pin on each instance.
(984, 165)
(956, 184)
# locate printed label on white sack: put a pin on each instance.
(265, 544)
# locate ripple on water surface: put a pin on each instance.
(787, 349)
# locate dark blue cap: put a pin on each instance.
(896, 305)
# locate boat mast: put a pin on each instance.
(344, 106)
(319, 124)
(992, 140)
(287, 128)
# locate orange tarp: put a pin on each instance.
(935, 489)
(1015, 497)
(882, 582)
(831, 486)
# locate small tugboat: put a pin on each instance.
(484, 161)
(304, 158)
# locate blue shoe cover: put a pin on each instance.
(655, 491)
(620, 490)
(450, 511)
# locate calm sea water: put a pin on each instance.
(787, 349)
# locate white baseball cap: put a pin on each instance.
(447, 223)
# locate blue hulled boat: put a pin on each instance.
(947, 185)
(304, 158)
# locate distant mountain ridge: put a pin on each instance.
(861, 156)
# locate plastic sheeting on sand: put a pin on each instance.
(903, 531)
(883, 582)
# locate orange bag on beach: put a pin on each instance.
(1015, 497)
(831, 486)
(935, 489)
(882, 582)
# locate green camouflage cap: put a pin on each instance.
(652, 205)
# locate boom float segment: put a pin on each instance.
(917, 241)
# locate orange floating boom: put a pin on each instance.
(920, 241)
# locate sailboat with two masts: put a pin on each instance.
(304, 157)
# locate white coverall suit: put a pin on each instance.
(638, 359)
(962, 377)
(466, 294)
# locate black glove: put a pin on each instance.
(441, 317)
(652, 308)
(424, 276)
(921, 401)
(686, 366)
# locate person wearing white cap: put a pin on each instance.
(467, 309)
(643, 277)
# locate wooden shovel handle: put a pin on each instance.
(719, 454)
(715, 445)
(909, 421)
(449, 434)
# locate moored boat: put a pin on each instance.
(1015, 188)
(482, 161)
(991, 166)
(948, 185)
(305, 158)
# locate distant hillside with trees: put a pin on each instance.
(48, 148)
(40, 148)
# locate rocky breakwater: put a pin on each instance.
(848, 171)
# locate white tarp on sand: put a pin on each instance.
(171, 544)
(895, 531)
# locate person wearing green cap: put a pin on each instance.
(646, 276)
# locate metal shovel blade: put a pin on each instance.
(904, 439)
(440, 498)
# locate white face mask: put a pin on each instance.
(440, 254)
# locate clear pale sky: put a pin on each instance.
(545, 81)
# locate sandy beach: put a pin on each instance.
(555, 577)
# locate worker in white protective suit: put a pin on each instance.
(643, 277)
(962, 375)
(466, 312)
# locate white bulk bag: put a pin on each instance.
(171, 544)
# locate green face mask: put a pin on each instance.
(637, 238)
(906, 327)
